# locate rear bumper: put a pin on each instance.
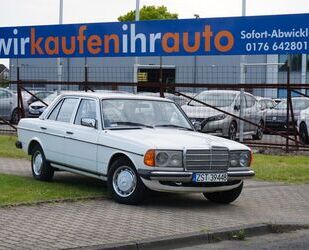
(18, 144)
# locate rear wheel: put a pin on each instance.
(15, 117)
(124, 183)
(232, 131)
(41, 169)
(224, 197)
(303, 133)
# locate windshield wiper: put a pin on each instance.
(134, 124)
(173, 126)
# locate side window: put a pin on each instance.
(67, 109)
(250, 101)
(87, 109)
(54, 113)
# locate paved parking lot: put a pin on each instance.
(72, 224)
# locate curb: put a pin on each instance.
(198, 238)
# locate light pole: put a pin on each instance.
(59, 68)
(242, 81)
(136, 58)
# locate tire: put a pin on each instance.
(41, 169)
(259, 132)
(232, 131)
(15, 117)
(132, 190)
(224, 197)
(303, 133)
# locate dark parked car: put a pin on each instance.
(276, 118)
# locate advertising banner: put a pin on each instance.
(279, 34)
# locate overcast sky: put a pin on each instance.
(36, 12)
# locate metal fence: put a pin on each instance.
(230, 101)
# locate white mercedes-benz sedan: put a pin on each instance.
(135, 143)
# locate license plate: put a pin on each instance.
(209, 177)
(35, 112)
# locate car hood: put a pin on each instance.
(202, 111)
(37, 104)
(175, 139)
(280, 112)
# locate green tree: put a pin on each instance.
(149, 13)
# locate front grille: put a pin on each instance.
(214, 159)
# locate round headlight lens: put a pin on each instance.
(176, 160)
(234, 160)
(244, 159)
(161, 158)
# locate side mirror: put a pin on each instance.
(236, 107)
(89, 122)
(197, 126)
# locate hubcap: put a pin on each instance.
(124, 181)
(37, 163)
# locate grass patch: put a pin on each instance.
(288, 169)
(8, 149)
(17, 189)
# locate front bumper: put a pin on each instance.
(168, 181)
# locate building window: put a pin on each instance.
(295, 62)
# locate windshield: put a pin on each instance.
(298, 104)
(50, 98)
(215, 99)
(120, 113)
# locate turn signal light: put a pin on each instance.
(251, 158)
(149, 158)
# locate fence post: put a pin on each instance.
(20, 104)
(161, 79)
(288, 100)
(86, 78)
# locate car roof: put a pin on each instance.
(224, 91)
(114, 95)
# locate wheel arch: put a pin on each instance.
(33, 143)
(119, 155)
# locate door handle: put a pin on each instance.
(69, 133)
(43, 128)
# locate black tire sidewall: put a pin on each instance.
(233, 123)
(47, 172)
(225, 197)
(304, 131)
(138, 195)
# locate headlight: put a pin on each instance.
(244, 159)
(240, 159)
(166, 158)
(217, 117)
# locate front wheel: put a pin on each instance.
(224, 197)
(124, 183)
(41, 169)
(303, 133)
(232, 131)
(15, 117)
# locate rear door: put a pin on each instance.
(251, 113)
(54, 129)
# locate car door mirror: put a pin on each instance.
(89, 122)
(236, 107)
(197, 125)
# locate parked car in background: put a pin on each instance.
(37, 108)
(180, 100)
(276, 118)
(40, 94)
(9, 106)
(303, 125)
(134, 143)
(266, 103)
(218, 123)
